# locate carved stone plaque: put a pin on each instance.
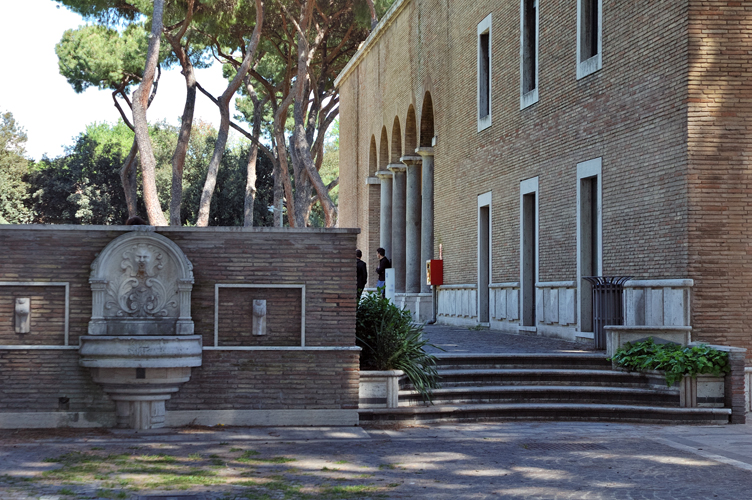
(141, 284)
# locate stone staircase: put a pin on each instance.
(545, 386)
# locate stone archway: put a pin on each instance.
(426, 122)
(396, 141)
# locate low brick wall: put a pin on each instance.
(307, 360)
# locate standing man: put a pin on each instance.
(384, 264)
(362, 273)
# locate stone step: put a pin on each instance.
(522, 360)
(544, 394)
(498, 376)
(527, 411)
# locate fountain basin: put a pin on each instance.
(140, 373)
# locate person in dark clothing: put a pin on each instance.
(384, 264)
(362, 273)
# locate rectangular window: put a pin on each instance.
(589, 29)
(529, 52)
(484, 73)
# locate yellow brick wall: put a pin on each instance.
(632, 113)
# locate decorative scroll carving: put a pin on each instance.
(141, 285)
(141, 291)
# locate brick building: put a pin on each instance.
(539, 142)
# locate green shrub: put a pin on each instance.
(675, 360)
(390, 341)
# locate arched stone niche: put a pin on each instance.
(141, 285)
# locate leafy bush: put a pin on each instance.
(390, 341)
(677, 361)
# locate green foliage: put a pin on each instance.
(229, 195)
(14, 167)
(677, 361)
(391, 341)
(97, 56)
(83, 186)
(329, 172)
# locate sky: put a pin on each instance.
(42, 101)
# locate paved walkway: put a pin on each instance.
(509, 460)
(506, 460)
(456, 339)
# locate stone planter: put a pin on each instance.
(702, 391)
(618, 335)
(379, 389)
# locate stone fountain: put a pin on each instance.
(140, 345)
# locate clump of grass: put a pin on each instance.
(102, 493)
(4, 478)
(157, 459)
(346, 492)
(177, 481)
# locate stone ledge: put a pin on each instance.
(263, 418)
(170, 229)
(55, 419)
(618, 335)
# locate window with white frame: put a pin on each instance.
(528, 52)
(589, 36)
(484, 73)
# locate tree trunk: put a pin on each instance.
(184, 137)
(284, 168)
(279, 194)
(224, 124)
(128, 180)
(374, 18)
(250, 184)
(303, 164)
(140, 103)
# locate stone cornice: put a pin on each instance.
(411, 159)
(370, 42)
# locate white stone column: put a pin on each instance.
(385, 221)
(426, 228)
(398, 225)
(412, 224)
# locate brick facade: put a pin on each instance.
(323, 377)
(667, 114)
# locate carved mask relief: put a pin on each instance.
(144, 288)
(141, 284)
